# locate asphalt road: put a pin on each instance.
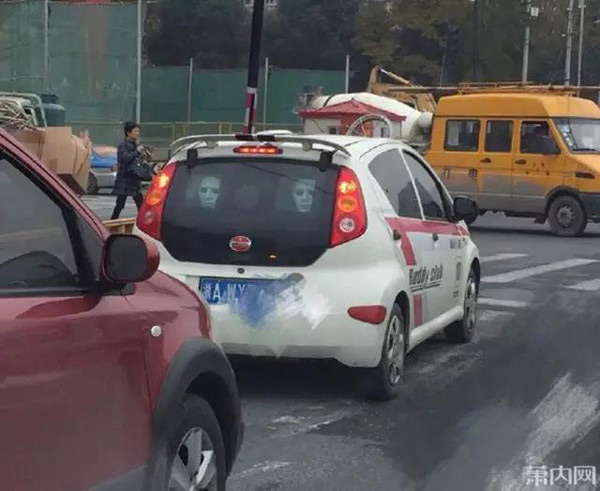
(103, 205)
(525, 393)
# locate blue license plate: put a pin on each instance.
(221, 291)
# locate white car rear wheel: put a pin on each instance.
(384, 381)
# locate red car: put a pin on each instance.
(108, 376)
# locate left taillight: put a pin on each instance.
(350, 214)
(150, 217)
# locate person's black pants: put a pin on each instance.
(121, 199)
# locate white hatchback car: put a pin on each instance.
(317, 247)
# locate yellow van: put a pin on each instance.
(529, 154)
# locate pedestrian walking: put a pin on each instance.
(128, 183)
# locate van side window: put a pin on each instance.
(498, 136)
(534, 134)
(462, 135)
(389, 171)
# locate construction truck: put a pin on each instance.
(39, 123)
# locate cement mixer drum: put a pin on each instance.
(372, 125)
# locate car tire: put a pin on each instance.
(197, 433)
(92, 187)
(567, 216)
(462, 331)
(383, 382)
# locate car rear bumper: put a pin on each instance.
(301, 335)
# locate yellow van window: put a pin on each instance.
(462, 135)
(533, 136)
(498, 136)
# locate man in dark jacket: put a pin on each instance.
(127, 183)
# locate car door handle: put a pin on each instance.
(396, 235)
(486, 160)
(436, 237)
(521, 161)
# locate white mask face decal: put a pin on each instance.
(210, 189)
(303, 192)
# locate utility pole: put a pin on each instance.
(581, 29)
(253, 65)
(569, 42)
(347, 80)
(138, 90)
(266, 93)
(190, 92)
(527, 42)
(46, 44)
(476, 61)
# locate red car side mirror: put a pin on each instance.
(129, 259)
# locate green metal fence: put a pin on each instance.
(92, 68)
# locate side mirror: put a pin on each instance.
(465, 208)
(129, 259)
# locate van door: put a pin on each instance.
(495, 181)
(534, 174)
(458, 165)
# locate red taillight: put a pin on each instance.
(258, 150)
(373, 314)
(149, 218)
(349, 215)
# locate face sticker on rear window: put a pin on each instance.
(303, 191)
(209, 192)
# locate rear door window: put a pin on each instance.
(283, 206)
(498, 136)
(393, 178)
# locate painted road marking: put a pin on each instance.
(494, 315)
(520, 274)
(588, 286)
(495, 302)
(501, 257)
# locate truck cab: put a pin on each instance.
(524, 153)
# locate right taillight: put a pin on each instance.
(349, 215)
(149, 218)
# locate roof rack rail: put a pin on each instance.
(212, 141)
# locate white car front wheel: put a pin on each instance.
(463, 330)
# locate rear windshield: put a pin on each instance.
(283, 206)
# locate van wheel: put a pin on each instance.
(383, 382)
(196, 458)
(463, 330)
(567, 217)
